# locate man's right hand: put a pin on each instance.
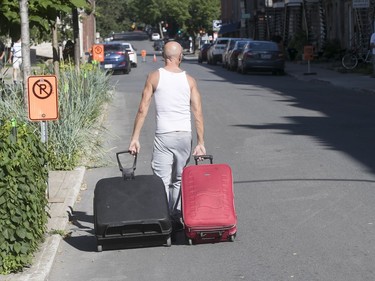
(134, 147)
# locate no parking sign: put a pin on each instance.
(42, 97)
(98, 52)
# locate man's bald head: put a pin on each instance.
(172, 50)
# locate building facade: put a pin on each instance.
(348, 23)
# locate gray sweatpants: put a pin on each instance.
(171, 153)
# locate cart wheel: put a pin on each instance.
(169, 242)
(190, 241)
(100, 248)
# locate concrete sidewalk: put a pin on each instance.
(64, 186)
(322, 72)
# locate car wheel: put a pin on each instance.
(127, 71)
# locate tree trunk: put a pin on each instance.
(25, 41)
(55, 49)
(77, 47)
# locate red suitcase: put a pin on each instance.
(208, 202)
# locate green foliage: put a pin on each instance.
(24, 160)
(191, 15)
(203, 12)
(42, 14)
(24, 175)
(113, 16)
(332, 49)
(82, 97)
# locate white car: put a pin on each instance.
(131, 51)
(155, 36)
(215, 52)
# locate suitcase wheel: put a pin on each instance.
(99, 248)
(232, 237)
(169, 242)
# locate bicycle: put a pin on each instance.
(351, 59)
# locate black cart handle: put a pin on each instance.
(204, 157)
(127, 173)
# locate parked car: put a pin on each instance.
(116, 58)
(130, 49)
(261, 56)
(232, 58)
(158, 45)
(202, 55)
(228, 48)
(155, 36)
(215, 52)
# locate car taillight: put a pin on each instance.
(120, 53)
(249, 54)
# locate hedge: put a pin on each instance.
(23, 202)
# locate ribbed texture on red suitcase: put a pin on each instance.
(207, 196)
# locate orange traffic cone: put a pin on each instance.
(154, 60)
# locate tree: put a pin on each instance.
(42, 14)
(112, 16)
(190, 15)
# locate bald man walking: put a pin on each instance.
(176, 95)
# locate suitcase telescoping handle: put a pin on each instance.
(203, 157)
(127, 173)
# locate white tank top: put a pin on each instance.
(172, 101)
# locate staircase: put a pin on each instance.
(261, 27)
(276, 19)
(315, 22)
(293, 19)
(364, 28)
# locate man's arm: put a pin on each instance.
(144, 105)
(372, 41)
(10, 56)
(196, 107)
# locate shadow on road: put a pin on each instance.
(347, 121)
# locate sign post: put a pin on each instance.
(43, 103)
(308, 54)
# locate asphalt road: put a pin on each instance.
(302, 155)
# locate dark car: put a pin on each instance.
(116, 58)
(158, 45)
(261, 56)
(228, 49)
(232, 60)
(202, 56)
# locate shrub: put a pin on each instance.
(82, 97)
(24, 160)
(24, 176)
